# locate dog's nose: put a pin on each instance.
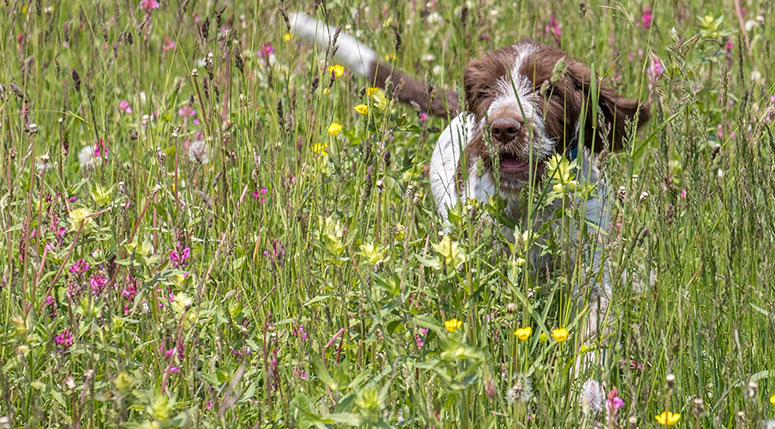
(505, 130)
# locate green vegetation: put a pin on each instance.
(187, 243)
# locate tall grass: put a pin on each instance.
(185, 243)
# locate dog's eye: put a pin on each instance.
(483, 93)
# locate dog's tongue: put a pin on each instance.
(514, 166)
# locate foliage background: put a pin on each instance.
(247, 268)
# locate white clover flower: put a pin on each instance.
(591, 397)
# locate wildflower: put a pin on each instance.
(277, 252)
(554, 27)
(560, 334)
(772, 399)
(320, 148)
(149, 5)
(336, 70)
(266, 50)
(174, 370)
(591, 397)
(489, 388)
(451, 252)
(299, 332)
(655, 70)
(64, 339)
(199, 152)
(97, 282)
(560, 172)
(300, 372)
(524, 333)
(181, 302)
(362, 109)
(88, 159)
(335, 128)
(453, 325)
(78, 267)
(647, 17)
(179, 256)
(287, 37)
(418, 338)
(78, 216)
(260, 194)
(668, 418)
(613, 403)
(124, 106)
(522, 390)
(187, 111)
(169, 44)
(374, 254)
(52, 306)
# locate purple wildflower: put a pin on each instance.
(612, 404)
(149, 5)
(64, 339)
(80, 266)
(124, 106)
(97, 282)
(647, 17)
(179, 256)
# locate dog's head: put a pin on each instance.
(528, 104)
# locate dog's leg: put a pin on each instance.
(445, 160)
(595, 274)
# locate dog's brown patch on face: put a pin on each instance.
(482, 75)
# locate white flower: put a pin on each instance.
(88, 159)
(199, 152)
(43, 164)
(591, 397)
(433, 18)
(521, 391)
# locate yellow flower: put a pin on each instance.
(371, 91)
(320, 148)
(362, 109)
(334, 128)
(326, 91)
(390, 57)
(560, 334)
(287, 37)
(451, 252)
(668, 418)
(453, 325)
(337, 70)
(81, 215)
(772, 399)
(523, 333)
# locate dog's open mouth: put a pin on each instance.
(521, 170)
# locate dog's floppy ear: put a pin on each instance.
(481, 74)
(616, 110)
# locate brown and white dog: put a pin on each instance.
(524, 103)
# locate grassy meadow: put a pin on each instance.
(207, 223)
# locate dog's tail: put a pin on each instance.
(364, 61)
